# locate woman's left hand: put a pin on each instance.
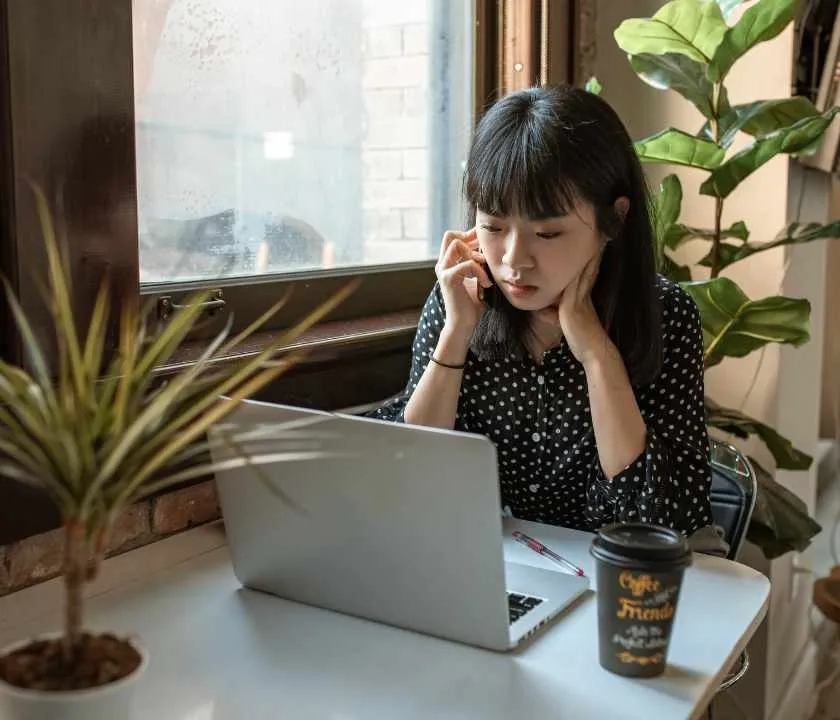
(576, 317)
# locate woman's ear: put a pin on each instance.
(622, 205)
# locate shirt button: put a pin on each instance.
(535, 437)
(540, 380)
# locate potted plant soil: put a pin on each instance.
(100, 429)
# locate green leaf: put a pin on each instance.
(666, 209)
(760, 22)
(723, 106)
(672, 71)
(674, 271)
(734, 325)
(668, 200)
(679, 148)
(684, 27)
(593, 86)
(761, 118)
(767, 116)
(793, 234)
(678, 233)
(793, 139)
(780, 522)
(33, 351)
(59, 301)
(736, 423)
(810, 149)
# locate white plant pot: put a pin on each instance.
(106, 702)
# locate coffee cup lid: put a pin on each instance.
(634, 543)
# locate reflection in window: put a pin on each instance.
(276, 136)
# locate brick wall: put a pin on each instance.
(395, 83)
(38, 558)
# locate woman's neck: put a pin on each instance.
(542, 337)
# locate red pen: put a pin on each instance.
(537, 546)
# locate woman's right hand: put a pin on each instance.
(461, 271)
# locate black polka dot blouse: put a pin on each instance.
(538, 417)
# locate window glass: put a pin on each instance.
(276, 136)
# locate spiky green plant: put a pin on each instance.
(99, 430)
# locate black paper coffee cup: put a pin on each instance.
(639, 575)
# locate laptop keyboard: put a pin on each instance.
(518, 605)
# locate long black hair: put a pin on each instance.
(536, 153)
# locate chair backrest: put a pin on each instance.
(734, 489)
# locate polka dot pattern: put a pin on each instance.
(538, 417)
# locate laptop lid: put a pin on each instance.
(400, 525)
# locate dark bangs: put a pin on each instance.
(512, 169)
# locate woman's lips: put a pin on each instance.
(518, 290)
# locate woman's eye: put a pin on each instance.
(549, 235)
(491, 228)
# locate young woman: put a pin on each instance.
(549, 331)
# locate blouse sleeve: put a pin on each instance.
(429, 328)
(670, 483)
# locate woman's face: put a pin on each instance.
(533, 261)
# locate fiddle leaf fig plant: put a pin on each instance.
(689, 47)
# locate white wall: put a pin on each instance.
(785, 385)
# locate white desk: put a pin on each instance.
(223, 653)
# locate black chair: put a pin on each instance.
(734, 489)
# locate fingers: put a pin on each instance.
(458, 252)
(462, 259)
(589, 274)
(479, 291)
(474, 288)
(467, 269)
(579, 289)
(450, 236)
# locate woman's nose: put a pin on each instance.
(516, 254)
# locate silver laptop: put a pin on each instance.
(397, 524)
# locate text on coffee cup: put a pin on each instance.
(638, 585)
(634, 610)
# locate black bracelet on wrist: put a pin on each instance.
(447, 365)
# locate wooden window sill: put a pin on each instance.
(323, 342)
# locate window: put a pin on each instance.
(275, 136)
(232, 160)
(248, 145)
